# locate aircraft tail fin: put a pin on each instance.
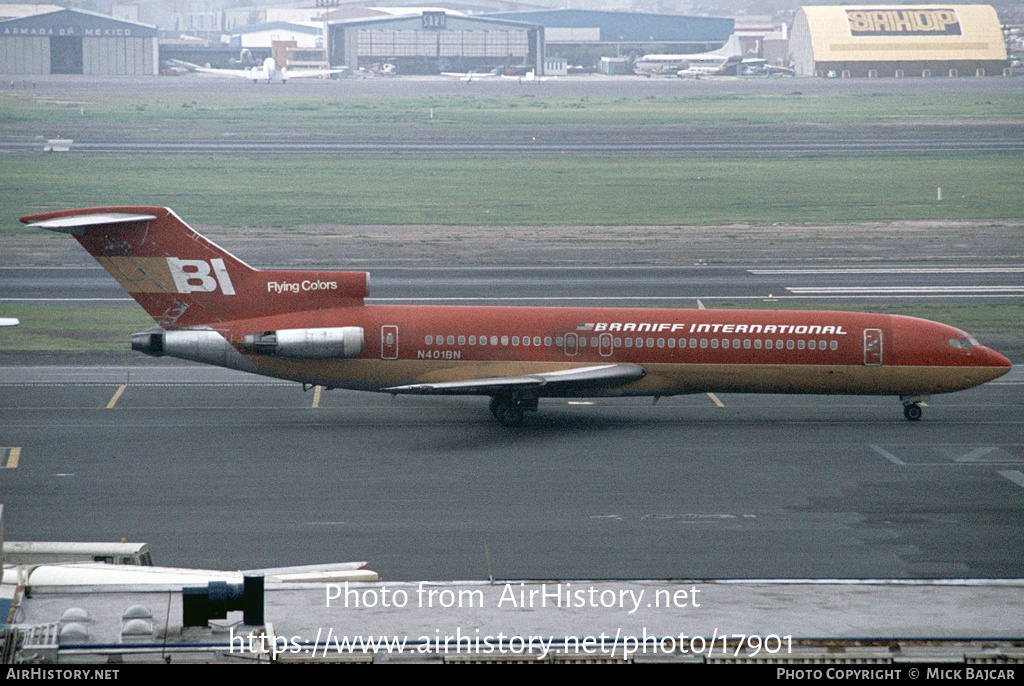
(183, 279)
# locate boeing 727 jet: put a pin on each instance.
(313, 327)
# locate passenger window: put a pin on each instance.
(472, 340)
(789, 344)
(735, 342)
(504, 340)
(462, 340)
(451, 340)
(430, 340)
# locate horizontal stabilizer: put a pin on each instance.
(576, 378)
(74, 224)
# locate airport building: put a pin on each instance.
(897, 40)
(433, 41)
(77, 42)
(264, 35)
(628, 30)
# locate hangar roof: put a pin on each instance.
(275, 26)
(452, 21)
(71, 22)
(630, 26)
(883, 33)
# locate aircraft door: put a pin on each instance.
(872, 347)
(389, 342)
(572, 342)
(605, 344)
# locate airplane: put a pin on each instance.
(315, 328)
(269, 72)
(727, 60)
(703, 64)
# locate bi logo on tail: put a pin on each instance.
(191, 276)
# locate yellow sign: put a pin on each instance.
(904, 22)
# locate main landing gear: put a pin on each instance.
(911, 407)
(511, 408)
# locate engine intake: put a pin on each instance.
(338, 341)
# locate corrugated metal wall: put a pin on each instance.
(107, 56)
(25, 55)
(383, 43)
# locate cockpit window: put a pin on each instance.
(963, 341)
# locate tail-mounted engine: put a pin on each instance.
(200, 344)
(318, 344)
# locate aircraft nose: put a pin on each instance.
(998, 360)
(997, 363)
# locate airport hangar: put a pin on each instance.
(77, 42)
(897, 40)
(435, 41)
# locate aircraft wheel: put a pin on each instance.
(509, 413)
(912, 411)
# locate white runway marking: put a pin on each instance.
(887, 455)
(891, 270)
(1014, 476)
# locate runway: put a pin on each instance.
(219, 470)
(561, 144)
(605, 286)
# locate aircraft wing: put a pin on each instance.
(311, 73)
(575, 379)
(236, 73)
